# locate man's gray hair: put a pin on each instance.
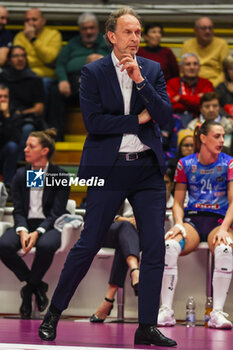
(111, 23)
(196, 23)
(87, 17)
(188, 54)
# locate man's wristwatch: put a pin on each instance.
(40, 231)
(141, 85)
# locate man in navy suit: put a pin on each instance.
(124, 102)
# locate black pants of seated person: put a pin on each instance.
(56, 110)
(46, 246)
(124, 237)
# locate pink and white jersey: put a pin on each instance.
(207, 184)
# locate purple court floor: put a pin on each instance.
(16, 334)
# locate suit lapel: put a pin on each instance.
(46, 189)
(111, 75)
(27, 189)
(134, 90)
(133, 98)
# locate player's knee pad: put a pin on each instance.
(223, 258)
(173, 250)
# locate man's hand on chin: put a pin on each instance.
(132, 68)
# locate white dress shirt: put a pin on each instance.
(130, 142)
(35, 205)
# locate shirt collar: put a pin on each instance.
(217, 120)
(45, 168)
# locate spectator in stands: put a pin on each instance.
(89, 45)
(152, 35)
(208, 217)
(169, 137)
(35, 210)
(185, 144)
(225, 89)
(210, 49)
(42, 45)
(26, 93)
(186, 91)
(9, 138)
(123, 236)
(210, 110)
(74, 55)
(6, 36)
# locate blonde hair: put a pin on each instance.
(227, 63)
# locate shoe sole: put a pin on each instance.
(96, 319)
(167, 324)
(224, 326)
(144, 342)
(41, 335)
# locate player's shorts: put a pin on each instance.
(203, 222)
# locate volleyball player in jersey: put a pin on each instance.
(207, 175)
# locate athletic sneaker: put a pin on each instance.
(166, 317)
(218, 320)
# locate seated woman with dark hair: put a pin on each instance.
(152, 35)
(207, 175)
(26, 93)
(35, 211)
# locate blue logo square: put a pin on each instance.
(35, 178)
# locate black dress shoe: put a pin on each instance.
(95, 319)
(47, 330)
(151, 335)
(41, 297)
(26, 306)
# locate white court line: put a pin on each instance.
(48, 347)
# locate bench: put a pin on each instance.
(69, 236)
(107, 253)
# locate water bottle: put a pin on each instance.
(208, 309)
(190, 312)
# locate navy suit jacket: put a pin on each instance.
(102, 108)
(54, 199)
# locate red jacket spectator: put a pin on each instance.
(189, 96)
(164, 56)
